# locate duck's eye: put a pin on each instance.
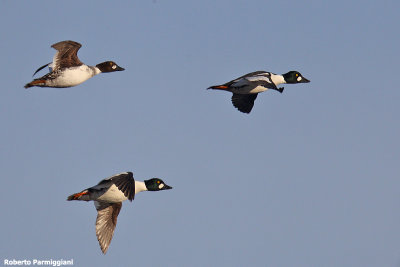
(110, 63)
(297, 75)
(158, 182)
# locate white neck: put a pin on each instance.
(139, 187)
(277, 79)
(96, 70)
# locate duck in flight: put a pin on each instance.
(246, 88)
(67, 70)
(108, 196)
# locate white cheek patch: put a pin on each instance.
(114, 67)
(299, 79)
(160, 186)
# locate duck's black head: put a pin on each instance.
(109, 66)
(156, 184)
(294, 77)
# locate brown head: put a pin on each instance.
(109, 66)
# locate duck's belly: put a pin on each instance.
(72, 77)
(249, 90)
(112, 195)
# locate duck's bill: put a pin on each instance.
(167, 187)
(119, 68)
(304, 80)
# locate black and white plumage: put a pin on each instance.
(246, 88)
(67, 70)
(108, 196)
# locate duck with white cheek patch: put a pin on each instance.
(108, 196)
(246, 88)
(67, 70)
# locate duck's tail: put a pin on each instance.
(84, 195)
(35, 83)
(219, 87)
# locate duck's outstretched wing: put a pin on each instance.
(67, 55)
(106, 222)
(244, 102)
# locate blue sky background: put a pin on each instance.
(309, 178)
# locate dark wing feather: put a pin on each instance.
(39, 69)
(125, 182)
(244, 103)
(67, 55)
(106, 222)
(269, 85)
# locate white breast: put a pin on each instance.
(112, 195)
(73, 76)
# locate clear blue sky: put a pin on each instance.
(309, 178)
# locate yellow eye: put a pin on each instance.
(110, 63)
(158, 182)
(297, 75)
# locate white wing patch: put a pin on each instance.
(259, 78)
